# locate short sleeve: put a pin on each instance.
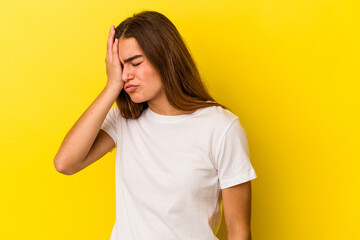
(110, 123)
(232, 159)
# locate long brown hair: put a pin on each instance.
(164, 47)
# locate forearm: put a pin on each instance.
(81, 136)
(244, 235)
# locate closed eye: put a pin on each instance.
(136, 64)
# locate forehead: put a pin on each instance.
(128, 47)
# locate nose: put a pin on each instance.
(126, 74)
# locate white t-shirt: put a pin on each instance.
(170, 170)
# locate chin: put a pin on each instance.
(138, 100)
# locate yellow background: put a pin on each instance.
(288, 68)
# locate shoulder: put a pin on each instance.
(217, 119)
(114, 114)
(219, 115)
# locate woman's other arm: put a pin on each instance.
(237, 211)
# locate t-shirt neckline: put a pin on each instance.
(169, 118)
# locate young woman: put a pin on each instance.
(181, 157)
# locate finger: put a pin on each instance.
(110, 40)
(115, 48)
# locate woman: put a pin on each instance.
(180, 156)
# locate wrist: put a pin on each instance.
(113, 88)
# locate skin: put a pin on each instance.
(144, 75)
(237, 211)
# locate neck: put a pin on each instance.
(165, 108)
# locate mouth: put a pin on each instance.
(130, 88)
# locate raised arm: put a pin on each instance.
(85, 142)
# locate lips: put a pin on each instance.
(130, 87)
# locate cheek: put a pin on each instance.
(148, 71)
(156, 83)
(150, 76)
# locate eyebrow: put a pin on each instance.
(132, 58)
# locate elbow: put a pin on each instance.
(60, 166)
